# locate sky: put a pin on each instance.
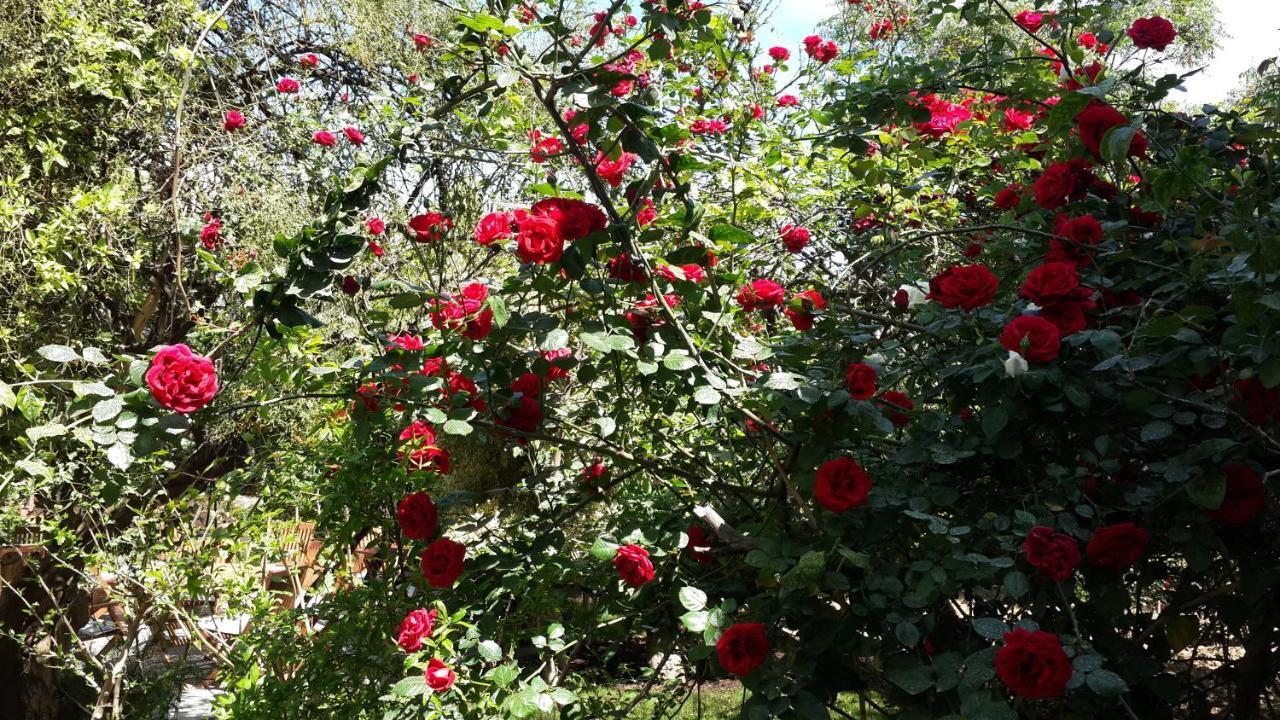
(1251, 34)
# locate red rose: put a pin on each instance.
(211, 233)
(375, 226)
(699, 545)
(612, 171)
(287, 85)
(1116, 547)
(309, 60)
(762, 294)
(555, 371)
(543, 149)
(1154, 32)
(788, 100)
(417, 516)
(1068, 317)
(422, 41)
(430, 226)
(1096, 119)
(1244, 499)
(1260, 403)
(779, 53)
(594, 474)
(1041, 338)
(324, 138)
(860, 379)
(632, 562)
(794, 238)
(841, 485)
(1009, 198)
(823, 52)
(1064, 182)
(494, 226)
(577, 219)
(1016, 120)
(1029, 20)
(415, 626)
(180, 380)
(742, 647)
(350, 285)
(902, 299)
(354, 136)
(233, 120)
(800, 309)
(1033, 664)
(687, 273)
(538, 239)
(966, 286)
(528, 385)
(1053, 554)
(893, 403)
(442, 562)
(439, 676)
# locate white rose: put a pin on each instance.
(1015, 365)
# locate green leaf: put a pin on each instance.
(1016, 584)
(604, 549)
(411, 686)
(1087, 663)
(678, 360)
(907, 633)
(94, 355)
(993, 420)
(120, 455)
(782, 381)
(107, 409)
(694, 620)
(731, 235)
(504, 675)
(457, 427)
(35, 469)
(8, 400)
(596, 341)
(500, 313)
(692, 598)
(1156, 430)
(40, 432)
(1106, 683)
(706, 395)
(58, 353)
(990, 628)
(1208, 491)
(490, 650)
(1181, 632)
(1116, 143)
(914, 679)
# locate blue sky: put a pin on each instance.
(1251, 35)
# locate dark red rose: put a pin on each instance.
(627, 269)
(699, 546)
(1034, 338)
(1077, 239)
(442, 562)
(1063, 182)
(523, 415)
(1050, 283)
(439, 676)
(902, 299)
(1009, 198)
(860, 379)
(632, 562)
(1244, 498)
(1116, 547)
(538, 239)
(180, 380)
(965, 286)
(841, 485)
(1053, 554)
(893, 402)
(350, 285)
(742, 647)
(1154, 33)
(417, 516)
(1096, 119)
(555, 370)
(415, 626)
(1068, 317)
(762, 294)
(1033, 664)
(528, 384)
(1260, 403)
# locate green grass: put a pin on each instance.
(721, 701)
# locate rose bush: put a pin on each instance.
(1071, 437)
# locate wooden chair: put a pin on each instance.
(296, 569)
